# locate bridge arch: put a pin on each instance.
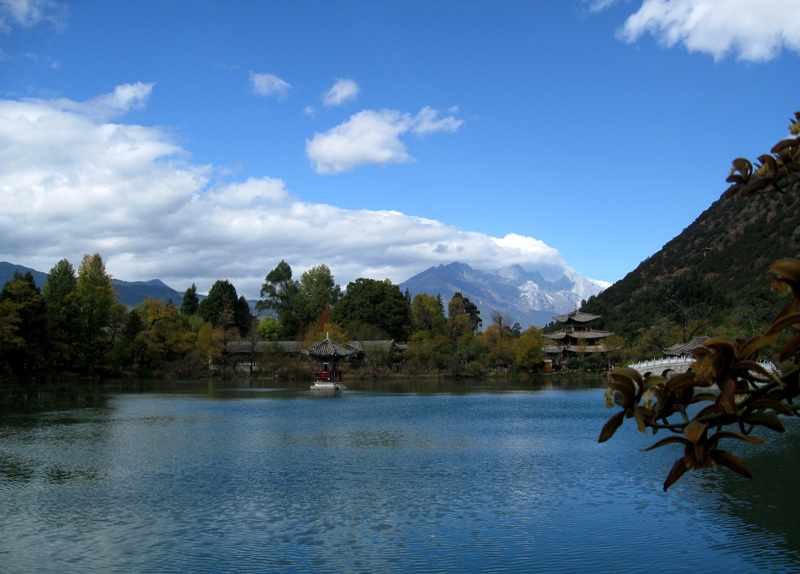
(667, 367)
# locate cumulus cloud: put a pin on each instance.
(754, 30)
(73, 183)
(372, 137)
(340, 92)
(269, 85)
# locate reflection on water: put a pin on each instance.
(389, 476)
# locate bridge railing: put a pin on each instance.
(686, 360)
(664, 362)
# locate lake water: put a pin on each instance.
(415, 477)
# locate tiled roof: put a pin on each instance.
(558, 349)
(245, 347)
(576, 316)
(330, 348)
(680, 349)
(560, 335)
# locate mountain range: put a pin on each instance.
(728, 249)
(131, 293)
(525, 297)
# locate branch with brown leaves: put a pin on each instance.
(726, 386)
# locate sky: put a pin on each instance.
(205, 140)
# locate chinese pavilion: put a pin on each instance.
(576, 338)
(327, 354)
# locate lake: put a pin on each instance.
(409, 477)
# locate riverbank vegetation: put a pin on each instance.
(74, 325)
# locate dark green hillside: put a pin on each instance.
(716, 269)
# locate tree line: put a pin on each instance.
(74, 324)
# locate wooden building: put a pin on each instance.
(576, 338)
(327, 355)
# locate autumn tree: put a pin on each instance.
(317, 293)
(463, 316)
(427, 315)
(165, 336)
(97, 306)
(528, 352)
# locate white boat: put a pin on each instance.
(327, 386)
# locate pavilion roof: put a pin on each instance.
(330, 348)
(575, 317)
(558, 349)
(684, 348)
(560, 335)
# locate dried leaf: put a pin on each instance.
(611, 426)
(730, 434)
(695, 431)
(680, 381)
(768, 419)
(755, 343)
(639, 413)
(787, 270)
(678, 470)
(791, 348)
(731, 461)
(783, 144)
(754, 186)
(653, 381)
(767, 403)
(782, 321)
(665, 441)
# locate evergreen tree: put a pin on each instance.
(24, 347)
(190, 301)
(62, 312)
(280, 298)
(377, 303)
(223, 305)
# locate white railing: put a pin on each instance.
(687, 360)
(682, 360)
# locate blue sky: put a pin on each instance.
(195, 141)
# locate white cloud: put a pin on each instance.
(71, 183)
(340, 92)
(29, 13)
(371, 137)
(426, 122)
(366, 138)
(754, 30)
(599, 5)
(269, 85)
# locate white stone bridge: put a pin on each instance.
(666, 367)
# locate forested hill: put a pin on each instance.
(715, 270)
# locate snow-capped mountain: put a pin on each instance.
(527, 297)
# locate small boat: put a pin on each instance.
(328, 386)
